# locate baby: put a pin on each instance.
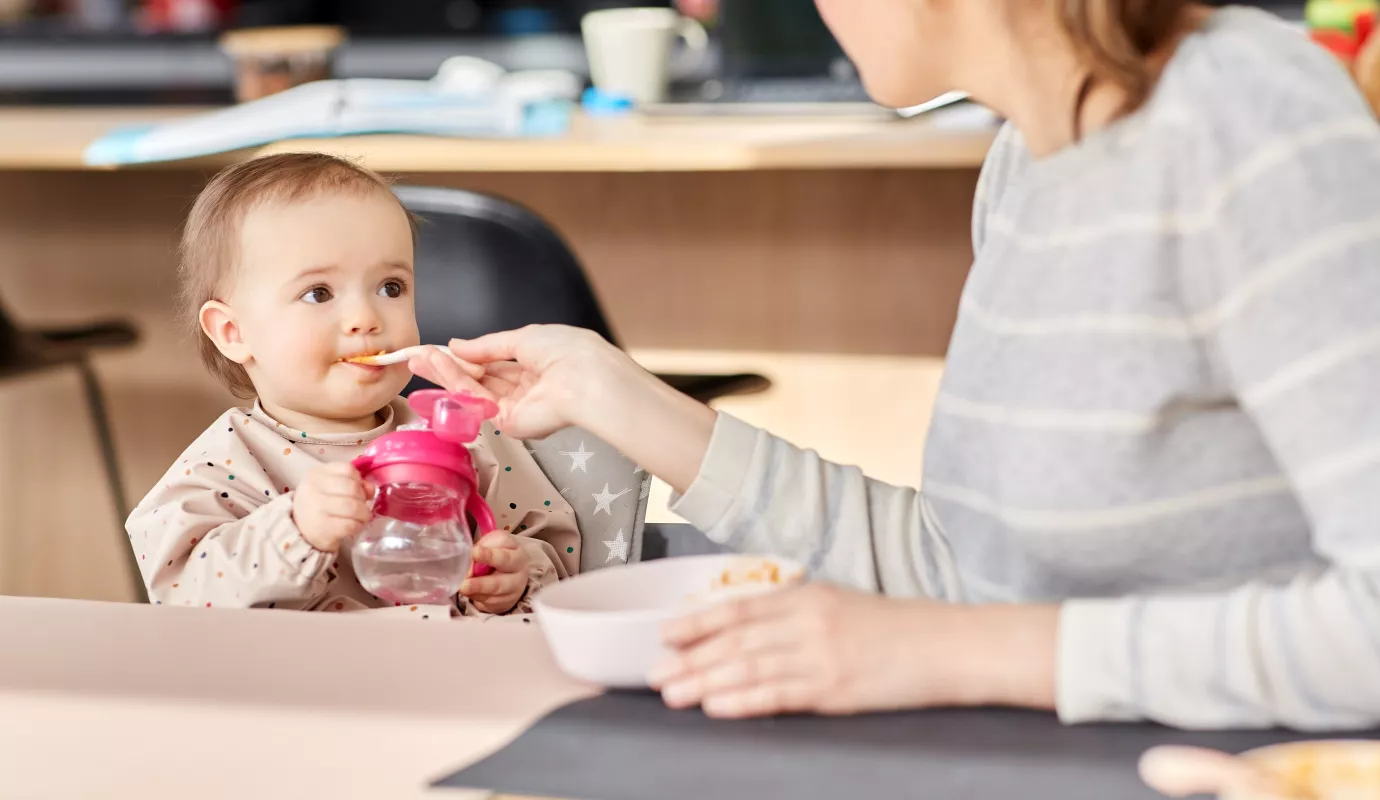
(291, 264)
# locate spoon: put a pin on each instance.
(405, 355)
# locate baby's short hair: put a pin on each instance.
(210, 239)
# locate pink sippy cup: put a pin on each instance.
(416, 550)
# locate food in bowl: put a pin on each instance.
(605, 626)
(750, 572)
(746, 576)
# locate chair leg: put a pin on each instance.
(95, 401)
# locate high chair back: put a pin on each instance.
(488, 264)
(484, 265)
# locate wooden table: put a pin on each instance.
(54, 139)
(826, 253)
(118, 700)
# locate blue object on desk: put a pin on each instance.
(344, 108)
(602, 104)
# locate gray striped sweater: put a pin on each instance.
(1160, 406)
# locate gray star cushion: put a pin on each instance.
(608, 492)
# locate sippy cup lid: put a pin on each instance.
(436, 454)
(453, 416)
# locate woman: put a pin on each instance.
(1152, 483)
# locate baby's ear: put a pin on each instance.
(218, 323)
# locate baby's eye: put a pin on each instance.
(318, 295)
(391, 289)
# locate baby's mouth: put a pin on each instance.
(365, 359)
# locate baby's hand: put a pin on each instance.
(331, 505)
(499, 591)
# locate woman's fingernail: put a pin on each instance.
(660, 674)
(682, 693)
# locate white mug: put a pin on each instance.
(629, 49)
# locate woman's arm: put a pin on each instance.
(662, 430)
(741, 486)
(1291, 319)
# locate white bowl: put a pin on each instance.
(605, 626)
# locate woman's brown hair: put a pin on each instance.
(1117, 39)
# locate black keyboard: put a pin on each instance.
(778, 90)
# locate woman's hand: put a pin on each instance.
(544, 377)
(827, 650)
(549, 377)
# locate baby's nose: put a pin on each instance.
(363, 320)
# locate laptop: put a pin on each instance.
(778, 57)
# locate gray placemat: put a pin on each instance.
(630, 747)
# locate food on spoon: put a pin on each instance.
(367, 360)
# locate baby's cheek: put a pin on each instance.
(313, 349)
(404, 331)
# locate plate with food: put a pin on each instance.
(1335, 769)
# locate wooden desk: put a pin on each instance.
(144, 702)
(55, 139)
(826, 253)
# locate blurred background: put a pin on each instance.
(123, 51)
(164, 51)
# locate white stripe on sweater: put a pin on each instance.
(1099, 519)
(1179, 223)
(1049, 419)
(1330, 242)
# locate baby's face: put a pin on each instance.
(318, 281)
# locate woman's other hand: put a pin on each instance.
(827, 650)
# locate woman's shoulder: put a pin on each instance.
(1248, 77)
(1005, 160)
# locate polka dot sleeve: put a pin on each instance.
(213, 532)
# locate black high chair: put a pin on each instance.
(487, 264)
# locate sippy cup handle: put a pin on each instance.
(484, 522)
(365, 464)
